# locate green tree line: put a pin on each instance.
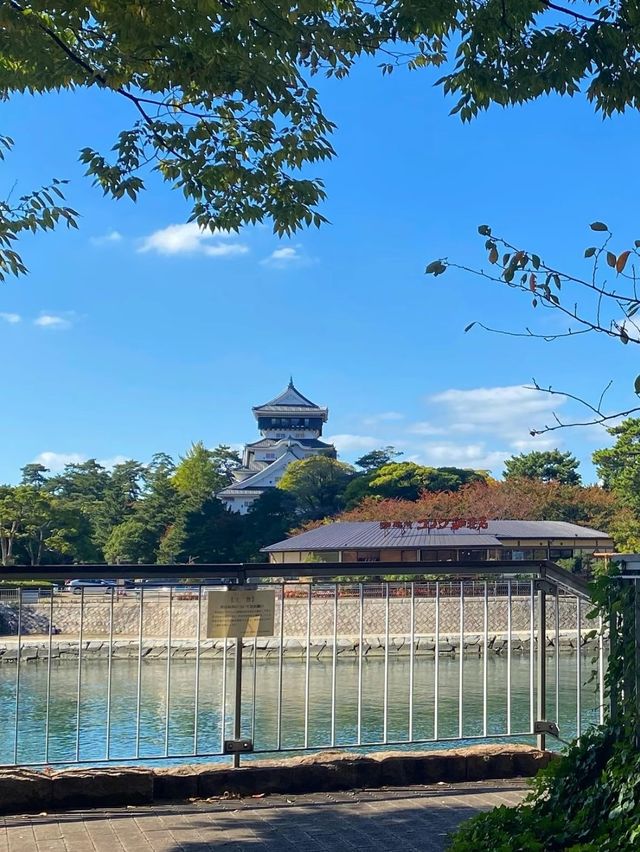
(167, 511)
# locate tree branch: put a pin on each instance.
(599, 417)
(579, 17)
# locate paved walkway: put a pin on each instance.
(404, 819)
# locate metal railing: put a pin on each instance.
(476, 652)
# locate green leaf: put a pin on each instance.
(590, 251)
(484, 230)
(636, 385)
(469, 327)
(598, 226)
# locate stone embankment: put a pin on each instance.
(26, 791)
(32, 649)
(322, 616)
(177, 626)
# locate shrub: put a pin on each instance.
(589, 800)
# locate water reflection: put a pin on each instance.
(159, 709)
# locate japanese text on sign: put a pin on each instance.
(240, 613)
(442, 524)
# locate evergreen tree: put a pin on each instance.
(211, 533)
(546, 466)
(619, 466)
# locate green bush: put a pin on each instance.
(588, 800)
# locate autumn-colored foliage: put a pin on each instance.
(517, 499)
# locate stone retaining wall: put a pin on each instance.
(96, 621)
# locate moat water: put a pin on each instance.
(190, 721)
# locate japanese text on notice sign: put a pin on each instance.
(240, 613)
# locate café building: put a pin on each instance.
(454, 539)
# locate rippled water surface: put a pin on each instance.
(93, 711)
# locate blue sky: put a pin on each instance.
(133, 335)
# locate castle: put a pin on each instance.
(291, 426)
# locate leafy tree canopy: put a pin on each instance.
(618, 466)
(221, 98)
(407, 480)
(377, 458)
(269, 519)
(34, 474)
(518, 499)
(83, 482)
(130, 541)
(36, 526)
(547, 466)
(317, 483)
(38, 210)
(211, 533)
(201, 472)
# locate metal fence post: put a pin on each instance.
(541, 687)
(237, 693)
(614, 693)
(636, 596)
(237, 713)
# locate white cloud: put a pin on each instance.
(507, 412)
(112, 461)
(424, 427)
(286, 256)
(384, 417)
(53, 321)
(112, 236)
(12, 319)
(350, 443)
(191, 239)
(471, 428)
(56, 462)
(535, 442)
(474, 428)
(492, 423)
(450, 454)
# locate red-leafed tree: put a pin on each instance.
(518, 499)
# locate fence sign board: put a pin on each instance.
(240, 613)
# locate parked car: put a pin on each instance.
(92, 587)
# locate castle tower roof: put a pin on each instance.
(289, 401)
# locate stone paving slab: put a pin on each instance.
(407, 819)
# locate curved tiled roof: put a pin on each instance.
(312, 443)
(289, 398)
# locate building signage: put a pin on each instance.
(441, 524)
(240, 613)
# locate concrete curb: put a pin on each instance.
(27, 791)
